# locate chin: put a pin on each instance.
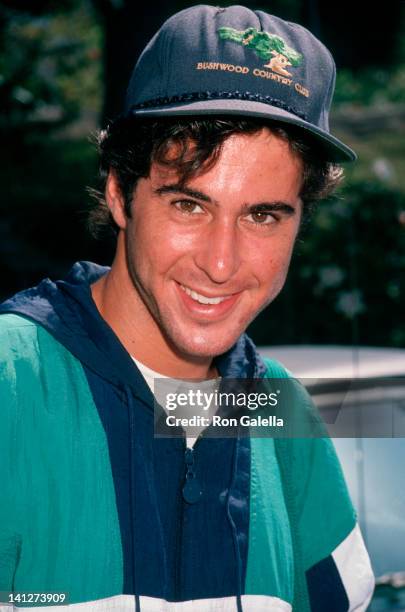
(204, 346)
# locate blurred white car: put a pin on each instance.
(338, 361)
(368, 383)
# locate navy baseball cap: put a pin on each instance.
(208, 60)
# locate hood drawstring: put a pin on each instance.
(130, 408)
(233, 527)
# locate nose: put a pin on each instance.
(218, 253)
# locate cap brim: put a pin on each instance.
(334, 150)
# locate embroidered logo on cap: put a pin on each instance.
(269, 47)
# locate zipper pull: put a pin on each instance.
(192, 489)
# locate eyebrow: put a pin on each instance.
(185, 190)
(276, 206)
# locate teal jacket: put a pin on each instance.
(93, 505)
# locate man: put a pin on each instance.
(207, 178)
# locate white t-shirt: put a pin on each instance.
(208, 385)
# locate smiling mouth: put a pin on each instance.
(203, 299)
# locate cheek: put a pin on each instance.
(270, 262)
(272, 254)
(157, 246)
(274, 276)
(180, 242)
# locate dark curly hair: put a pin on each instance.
(129, 146)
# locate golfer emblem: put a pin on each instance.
(268, 47)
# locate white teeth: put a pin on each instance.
(201, 298)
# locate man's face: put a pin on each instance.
(207, 258)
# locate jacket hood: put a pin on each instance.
(66, 309)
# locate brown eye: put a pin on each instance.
(187, 206)
(262, 218)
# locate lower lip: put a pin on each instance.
(211, 311)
